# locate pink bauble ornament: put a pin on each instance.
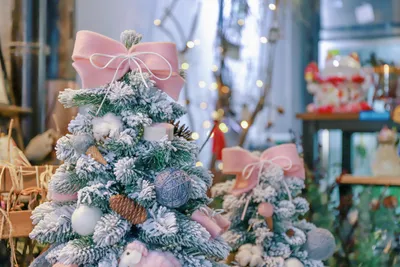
(265, 209)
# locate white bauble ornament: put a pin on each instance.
(320, 244)
(129, 258)
(293, 262)
(85, 218)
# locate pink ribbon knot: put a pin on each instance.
(248, 167)
(100, 60)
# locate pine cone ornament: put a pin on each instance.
(95, 153)
(182, 130)
(128, 209)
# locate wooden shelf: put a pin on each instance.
(369, 180)
(327, 116)
(11, 110)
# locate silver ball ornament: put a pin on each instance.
(293, 262)
(320, 244)
(84, 219)
(173, 188)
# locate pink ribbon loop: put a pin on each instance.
(100, 60)
(248, 167)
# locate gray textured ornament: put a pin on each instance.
(81, 143)
(320, 244)
(173, 188)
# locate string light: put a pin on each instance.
(214, 68)
(214, 86)
(157, 22)
(259, 83)
(222, 126)
(263, 39)
(202, 84)
(225, 89)
(203, 105)
(244, 124)
(220, 166)
(195, 136)
(220, 49)
(214, 115)
(199, 164)
(240, 22)
(206, 124)
(190, 44)
(272, 6)
(197, 42)
(220, 112)
(185, 65)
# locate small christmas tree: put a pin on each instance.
(263, 205)
(129, 192)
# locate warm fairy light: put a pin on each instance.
(220, 166)
(185, 65)
(244, 124)
(157, 22)
(195, 136)
(220, 112)
(222, 126)
(263, 39)
(214, 86)
(225, 89)
(240, 22)
(272, 6)
(197, 42)
(206, 124)
(199, 164)
(259, 83)
(202, 84)
(214, 115)
(220, 49)
(190, 44)
(203, 105)
(214, 68)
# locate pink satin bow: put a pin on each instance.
(248, 166)
(100, 60)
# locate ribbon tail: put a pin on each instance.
(243, 185)
(172, 86)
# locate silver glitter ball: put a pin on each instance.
(173, 188)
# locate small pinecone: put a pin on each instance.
(128, 209)
(94, 152)
(182, 130)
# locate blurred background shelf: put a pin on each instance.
(369, 180)
(12, 110)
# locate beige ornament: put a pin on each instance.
(94, 152)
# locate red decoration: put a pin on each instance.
(218, 141)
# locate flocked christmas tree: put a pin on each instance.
(264, 207)
(129, 192)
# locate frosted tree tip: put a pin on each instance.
(130, 38)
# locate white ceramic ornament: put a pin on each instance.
(158, 131)
(293, 262)
(108, 125)
(320, 244)
(85, 218)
